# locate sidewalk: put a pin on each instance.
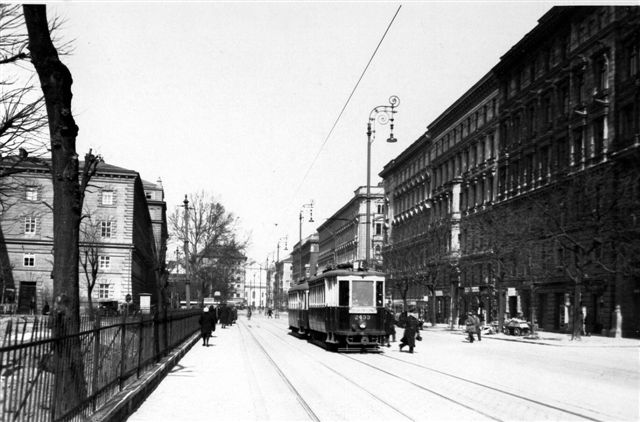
(547, 338)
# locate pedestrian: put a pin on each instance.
(234, 315)
(249, 313)
(269, 313)
(213, 314)
(206, 325)
(411, 332)
(478, 326)
(470, 323)
(45, 308)
(389, 326)
(32, 306)
(224, 315)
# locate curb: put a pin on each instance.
(123, 404)
(546, 342)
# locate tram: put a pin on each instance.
(298, 309)
(345, 310)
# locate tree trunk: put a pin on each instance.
(55, 80)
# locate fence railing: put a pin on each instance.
(105, 356)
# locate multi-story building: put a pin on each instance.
(471, 202)
(283, 280)
(340, 236)
(304, 257)
(570, 116)
(255, 285)
(118, 228)
(154, 192)
(448, 169)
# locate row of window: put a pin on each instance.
(32, 193)
(29, 260)
(106, 228)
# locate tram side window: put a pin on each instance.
(344, 293)
(379, 294)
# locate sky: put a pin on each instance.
(238, 99)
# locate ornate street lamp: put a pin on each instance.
(382, 114)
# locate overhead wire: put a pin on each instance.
(344, 107)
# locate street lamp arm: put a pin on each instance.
(383, 114)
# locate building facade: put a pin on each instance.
(305, 258)
(551, 131)
(340, 236)
(449, 168)
(570, 112)
(117, 230)
(282, 282)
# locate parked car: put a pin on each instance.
(516, 327)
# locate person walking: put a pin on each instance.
(206, 324)
(470, 324)
(389, 326)
(224, 315)
(478, 326)
(213, 314)
(411, 333)
(249, 313)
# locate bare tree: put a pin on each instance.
(498, 238)
(68, 195)
(589, 220)
(23, 118)
(90, 251)
(212, 235)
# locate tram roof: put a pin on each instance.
(346, 273)
(299, 286)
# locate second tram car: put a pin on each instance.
(298, 309)
(345, 310)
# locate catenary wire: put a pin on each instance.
(344, 107)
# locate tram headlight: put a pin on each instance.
(363, 325)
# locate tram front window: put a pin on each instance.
(362, 293)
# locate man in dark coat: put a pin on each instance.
(213, 313)
(411, 331)
(224, 315)
(389, 325)
(206, 326)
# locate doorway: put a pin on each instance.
(27, 294)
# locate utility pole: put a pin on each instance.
(187, 282)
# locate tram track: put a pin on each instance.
(477, 384)
(337, 373)
(525, 401)
(303, 403)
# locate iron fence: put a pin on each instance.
(41, 374)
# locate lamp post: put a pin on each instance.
(308, 206)
(383, 114)
(187, 283)
(278, 281)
